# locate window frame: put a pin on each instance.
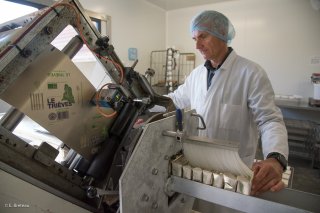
(103, 21)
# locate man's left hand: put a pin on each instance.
(267, 176)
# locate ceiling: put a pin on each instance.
(177, 4)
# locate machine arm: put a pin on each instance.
(40, 28)
(29, 38)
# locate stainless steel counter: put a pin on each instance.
(299, 110)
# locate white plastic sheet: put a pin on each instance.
(214, 155)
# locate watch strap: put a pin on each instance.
(280, 158)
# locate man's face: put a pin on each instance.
(209, 46)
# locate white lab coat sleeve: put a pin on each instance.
(267, 115)
(181, 96)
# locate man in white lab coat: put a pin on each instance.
(236, 100)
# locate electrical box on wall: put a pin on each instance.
(133, 54)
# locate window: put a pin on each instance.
(101, 22)
(10, 10)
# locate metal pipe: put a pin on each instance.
(73, 47)
(11, 119)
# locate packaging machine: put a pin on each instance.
(110, 163)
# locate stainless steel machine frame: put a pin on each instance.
(146, 185)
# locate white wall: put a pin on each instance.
(280, 35)
(134, 23)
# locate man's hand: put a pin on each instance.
(267, 176)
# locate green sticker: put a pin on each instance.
(67, 95)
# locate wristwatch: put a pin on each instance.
(280, 158)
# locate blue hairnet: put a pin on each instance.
(214, 23)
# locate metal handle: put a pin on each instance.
(201, 119)
(179, 119)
